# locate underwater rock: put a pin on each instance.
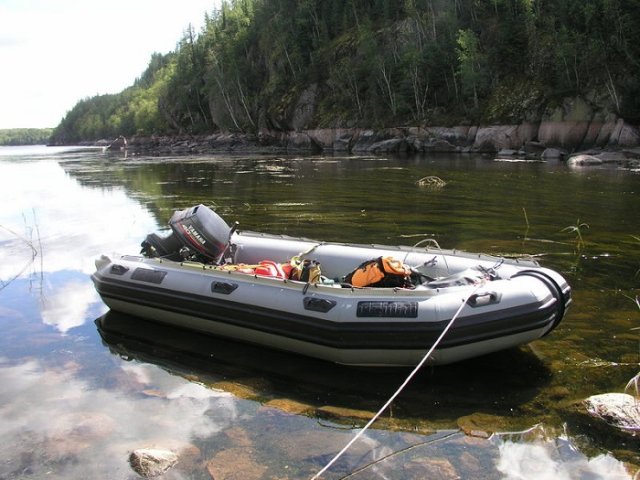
(431, 182)
(239, 436)
(317, 446)
(289, 406)
(151, 462)
(619, 410)
(72, 433)
(236, 464)
(330, 411)
(481, 425)
(436, 468)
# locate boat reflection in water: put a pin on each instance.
(499, 381)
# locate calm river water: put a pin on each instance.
(82, 388)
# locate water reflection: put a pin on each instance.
(37, 151)
(554, 459)
(79, 431)
(281, 381)
(73, 407)
(512, 456)
(343, 394)
(66, 304)
(53, 229)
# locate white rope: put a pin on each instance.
(399, 390)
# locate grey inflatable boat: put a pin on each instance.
(209, 277)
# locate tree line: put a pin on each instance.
(290, 64)
(25, 136)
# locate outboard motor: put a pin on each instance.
(198, 234)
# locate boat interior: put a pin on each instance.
(198, 234)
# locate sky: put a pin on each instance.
(56, 52)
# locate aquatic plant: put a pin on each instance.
(637, 239)
(525, 237)
(577, 229)
(634, 384)
(27, 240)
(526, 218)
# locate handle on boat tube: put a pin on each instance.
(321, 305)
(483, 298)
(225, 288)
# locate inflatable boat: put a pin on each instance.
(371, 305)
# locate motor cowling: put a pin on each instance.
(197, 233)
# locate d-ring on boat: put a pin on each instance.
(351, 304)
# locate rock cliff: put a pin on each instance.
(545, 138)
(575, 125)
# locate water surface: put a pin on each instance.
(84, 387)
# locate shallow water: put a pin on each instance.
(83, 387)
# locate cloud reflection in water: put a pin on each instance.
(69, 225)
(555, 459)
(80, 432)
(67, 304)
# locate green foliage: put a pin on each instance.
(25, 136)
(375, 63)
(514, 100)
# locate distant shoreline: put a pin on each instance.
(24, 136)
(532, 140)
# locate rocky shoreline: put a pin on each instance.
(607, 141)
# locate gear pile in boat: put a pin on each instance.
(198, 234)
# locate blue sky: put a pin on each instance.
(56, 52)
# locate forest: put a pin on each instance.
(25, 136)
(299, 64)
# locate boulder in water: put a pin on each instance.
(619, 410)
(152, 462)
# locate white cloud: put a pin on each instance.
(56, 52)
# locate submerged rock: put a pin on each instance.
(584, 160)
(431, 182)
(619, 410)
(236, 464)
(436, 468)
(481, 425)
(151, 462)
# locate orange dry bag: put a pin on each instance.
(380, 272)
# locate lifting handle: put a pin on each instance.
(483, 298)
